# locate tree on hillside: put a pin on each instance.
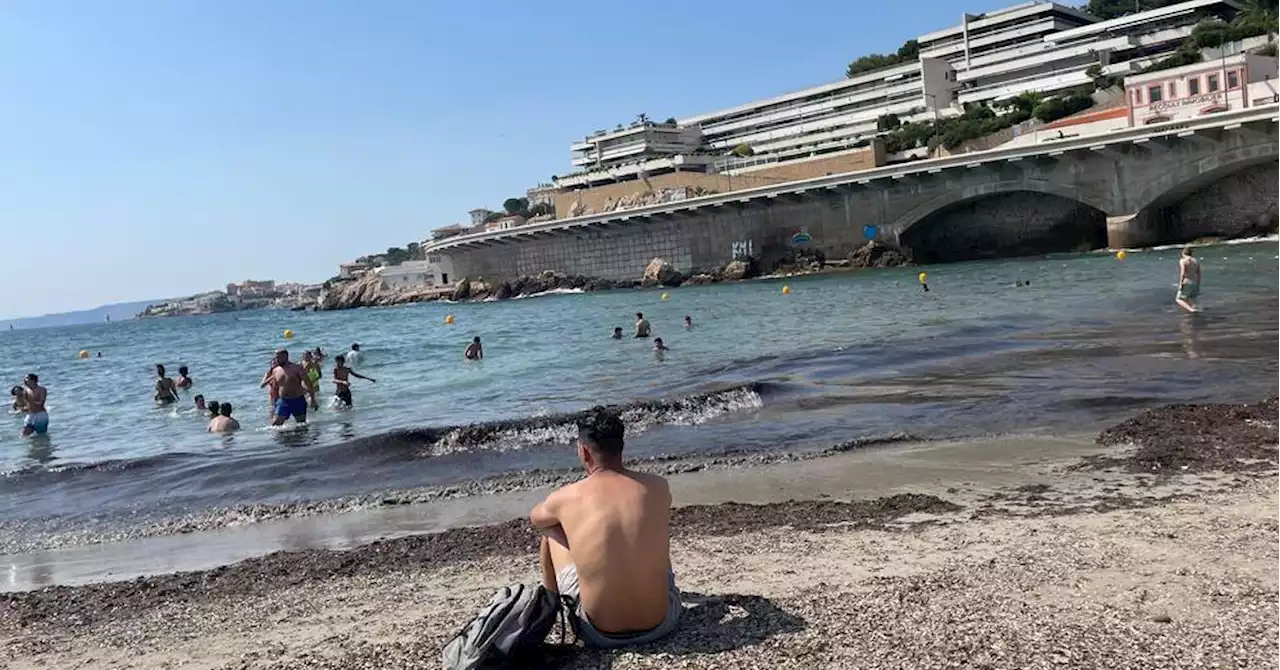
(516, 205)
(909, 51)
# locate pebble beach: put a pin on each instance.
(1159, 552)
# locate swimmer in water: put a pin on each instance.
(183, 381)
(659, 349)
(318, 355)
(223, 423)
(642, 325)
(200, 406)
(617, 333)
(353, 356)
(1188, 281)
(269, 383)
(688, 321)
(213, 408)
(166, 390)
(342, 381)
(34, 395)
(474, 351)
(312, 365)
(19, 400)
(294, 386)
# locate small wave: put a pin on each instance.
(559, 428)
(554, 291)
(1206, 243)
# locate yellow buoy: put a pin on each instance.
(666, 296)
(786, 290)
(288, 334)
(1120, 255)
(84, 354)
(449, 319)
(924, 277)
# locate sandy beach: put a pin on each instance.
(1158, 551)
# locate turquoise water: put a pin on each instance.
(843, 356)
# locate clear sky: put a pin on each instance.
(163, 148)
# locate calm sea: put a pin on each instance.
(862, 355)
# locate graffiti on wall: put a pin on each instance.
(742, 250)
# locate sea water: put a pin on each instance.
(858, 356)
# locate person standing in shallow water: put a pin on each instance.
(166, 390)
(293, 385)
(183, 381)
(642, 325)
(1188, 281)
(617, 333)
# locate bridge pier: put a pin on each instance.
(1128, 232)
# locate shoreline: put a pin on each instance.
(1087, 561)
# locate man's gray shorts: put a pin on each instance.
(567, 583)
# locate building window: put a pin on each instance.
(1137, 96)
(1155, 93)
(1193, 86)
(1173, 90)
(1213, 83)
(1233, 80)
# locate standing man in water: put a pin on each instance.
(166, 390)
(293, 386)
(1188, 281)
(642, 325)
(353, 356)
(342, 380)
(37, 420)
(606, 544)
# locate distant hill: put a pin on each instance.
(118, 312)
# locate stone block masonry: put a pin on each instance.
(1166, 189)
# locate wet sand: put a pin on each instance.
(1084, 563)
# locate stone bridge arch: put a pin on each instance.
(1009, 218)
(1231, 193)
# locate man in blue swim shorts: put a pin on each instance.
(293, 386)
(37, 420)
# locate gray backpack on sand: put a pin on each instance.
(513, 625)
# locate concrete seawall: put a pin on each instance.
(1137, 188)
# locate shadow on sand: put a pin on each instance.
(710, 624)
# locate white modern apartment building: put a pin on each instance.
(1034, 46)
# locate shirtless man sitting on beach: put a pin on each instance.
(606, 545)
(293, 386)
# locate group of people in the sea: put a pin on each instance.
(293, 387)
(644, 331)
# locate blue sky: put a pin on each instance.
(164, 148)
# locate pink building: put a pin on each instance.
(1234, 82)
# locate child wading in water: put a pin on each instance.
(342, 381)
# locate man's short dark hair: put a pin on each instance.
(601, 431)
(33, 377)
(225, 409)
(639, 315)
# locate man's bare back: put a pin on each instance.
(35, 397)
(616, 525)
(608, 536)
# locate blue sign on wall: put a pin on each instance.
(869, 232)
(800, 238)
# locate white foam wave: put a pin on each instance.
(1233, 242)
(554, 291)
(683, 412)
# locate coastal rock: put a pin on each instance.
(739, 269)
(461, 290)
(661, 273)
(701, 278)
(876, 254)
(800, 261)
(504, 291)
